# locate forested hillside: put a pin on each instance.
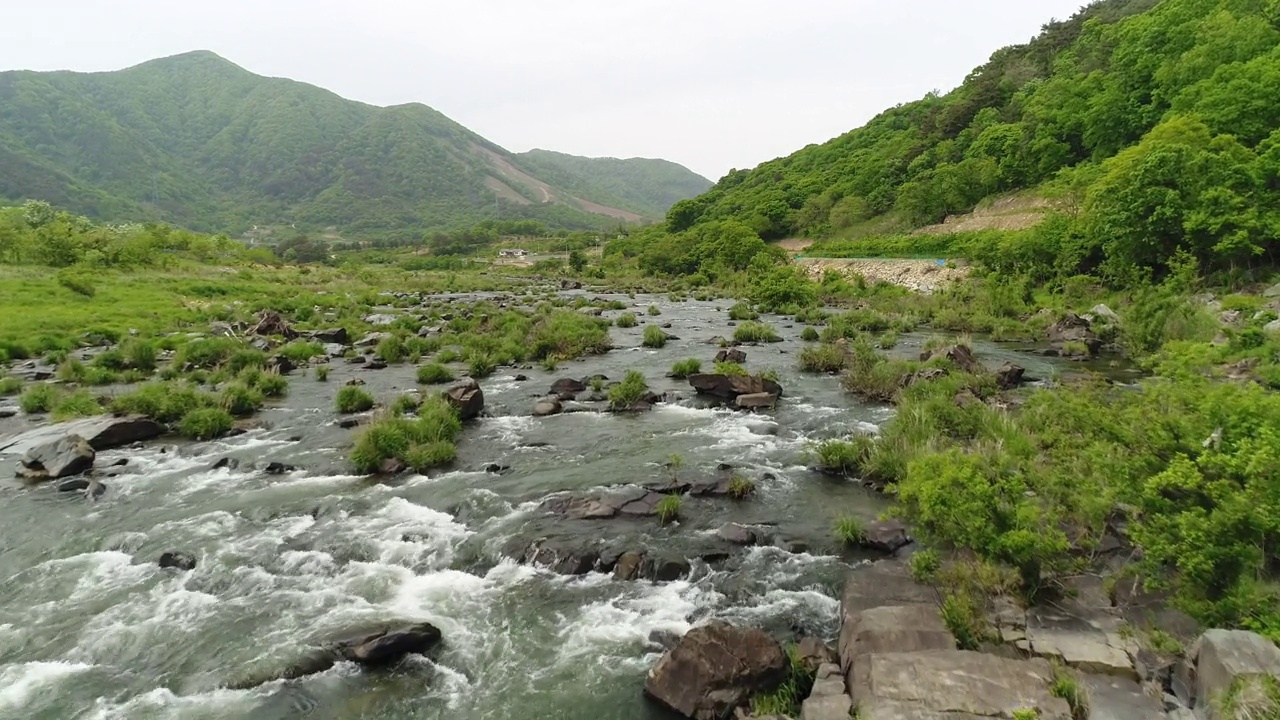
(649, 187)
(199, 141)
(1154, 123)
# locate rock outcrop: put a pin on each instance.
(467, 397)
(715, 668)
(1222, 663)
(1072, 336)
(728, 388)
(64, 457)
(102, 433)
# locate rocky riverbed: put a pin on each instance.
(537, 555)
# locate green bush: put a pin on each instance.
(741, 487)
(924, 565)
(165, 402)
(730, 368)
(755, 332)
(76, 283)
(963, 618)
(240, 399)
(10, 386)
(353, 399)
(434, 374)
(668, 509)
(206, 423)
(405, 404)
(809, 335)
(626, 320)
(823, 358)
(481, 366)
(628, 392)
(685, 368)
(742, 311)
(391, 349)
(322, 373)
(76, 405)
(245, 359)
(654, 337)
(272, 384)
(565, 334)
(654, 311)
(838, 456)
(38, 399)
(421, 443)
(429, 455)
(1066, 686)
(301, 351)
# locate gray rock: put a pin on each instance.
(380, 319)
(372, 339)
(467, 397)
(179, 560)
(1272, 292)
(333, 336)
(887, 536)
(1009, 376)
(1102, 311)
(547, 406)
(64, 457)
(729, 387)
(102, 433)
(765, 428)
(756, 401)
(714, 669)
(828, 699)
(1088, 640)
(1115, 698)
(732, 355)
(1223, 657)
(1272, 327)
(891, 628)
(737, 534)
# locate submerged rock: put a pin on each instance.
(64, 457)
(278, 468)
(715, 668)
(178, 559)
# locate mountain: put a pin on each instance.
(196, 140)
(1155, 122)
(648, 187)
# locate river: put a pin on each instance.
(91, 627)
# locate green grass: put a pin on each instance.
(481, 366)
(654, 337)
(322, 373)
(685, 368)
(434, 374)
(10, 386)
(301, 351)
(730, 368)
(405, 404)
(38, 398)
(353, 399)
(785, 700)
(76, 405)
(422, 443)
(755, 332)
(1067, 686)
(823, 358)
(654, 311)
(272, 384)
(847, 529)
(668, 509)
(741, 487)
(809, 335)
(165, 402)
(206, 423)
(240, 399)
(626, 320)
(391, 349)
(742, 311)
(628, 392)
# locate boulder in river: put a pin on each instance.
(1072, 330)
(278, 468)
(959, 355)
(467, 397)
(886, 536)
(732, 355)
(756, 401)
(1009, 376)
(547, 406)
(388, 646)
(64, 457)
(728, 387)
(178, 559)
(567, 387)
(336, 336)
(715, 668)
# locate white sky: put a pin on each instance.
(711, 84)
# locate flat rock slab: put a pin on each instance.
(953, 685)
(1089, 641)
(1116, 698)
(882, 583)
(890, 628)
(102, 433)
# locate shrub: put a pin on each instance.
(741, 487)
(924, 565)
(565, 334)
(421, 443)
(405, 404)
(272, 384)
(240, 399)
(963, 618)
(391, 349)
(742, 311)
(353, 399)
(685, 368)
(823, 358)
(481, 365)
(1066, 686)
(208, 353)
(755, 332)
(38, 399)
(838, 456)
(301, 351)
(628, 392)
(322, 373)
(654, 311)
(848, 529)
(206, 423)
(668, 509)
(77, 404)
(166, 402)
(654, 337)
(429, 455)
(434, 374)
(10, 386)
(809, 335)
(626, 320)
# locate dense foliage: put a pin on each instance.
(647, 187)
(1153, 124)
(198, 141)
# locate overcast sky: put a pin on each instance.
(711, 84)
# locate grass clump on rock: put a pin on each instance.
(809, 335)
(668, 509)
(742, 311)
(76, 405)
(627, 320)
(654, 337)
(240, 399)
(685, 368)
(823, 358)
(38, 399)
(421, 443)
(756, 332)
(10, 386)
(848, 529)
(628, 392)
(741, 487)
(353, 399)
(434, 374)
(206, 423)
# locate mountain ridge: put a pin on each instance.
(198, 140)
